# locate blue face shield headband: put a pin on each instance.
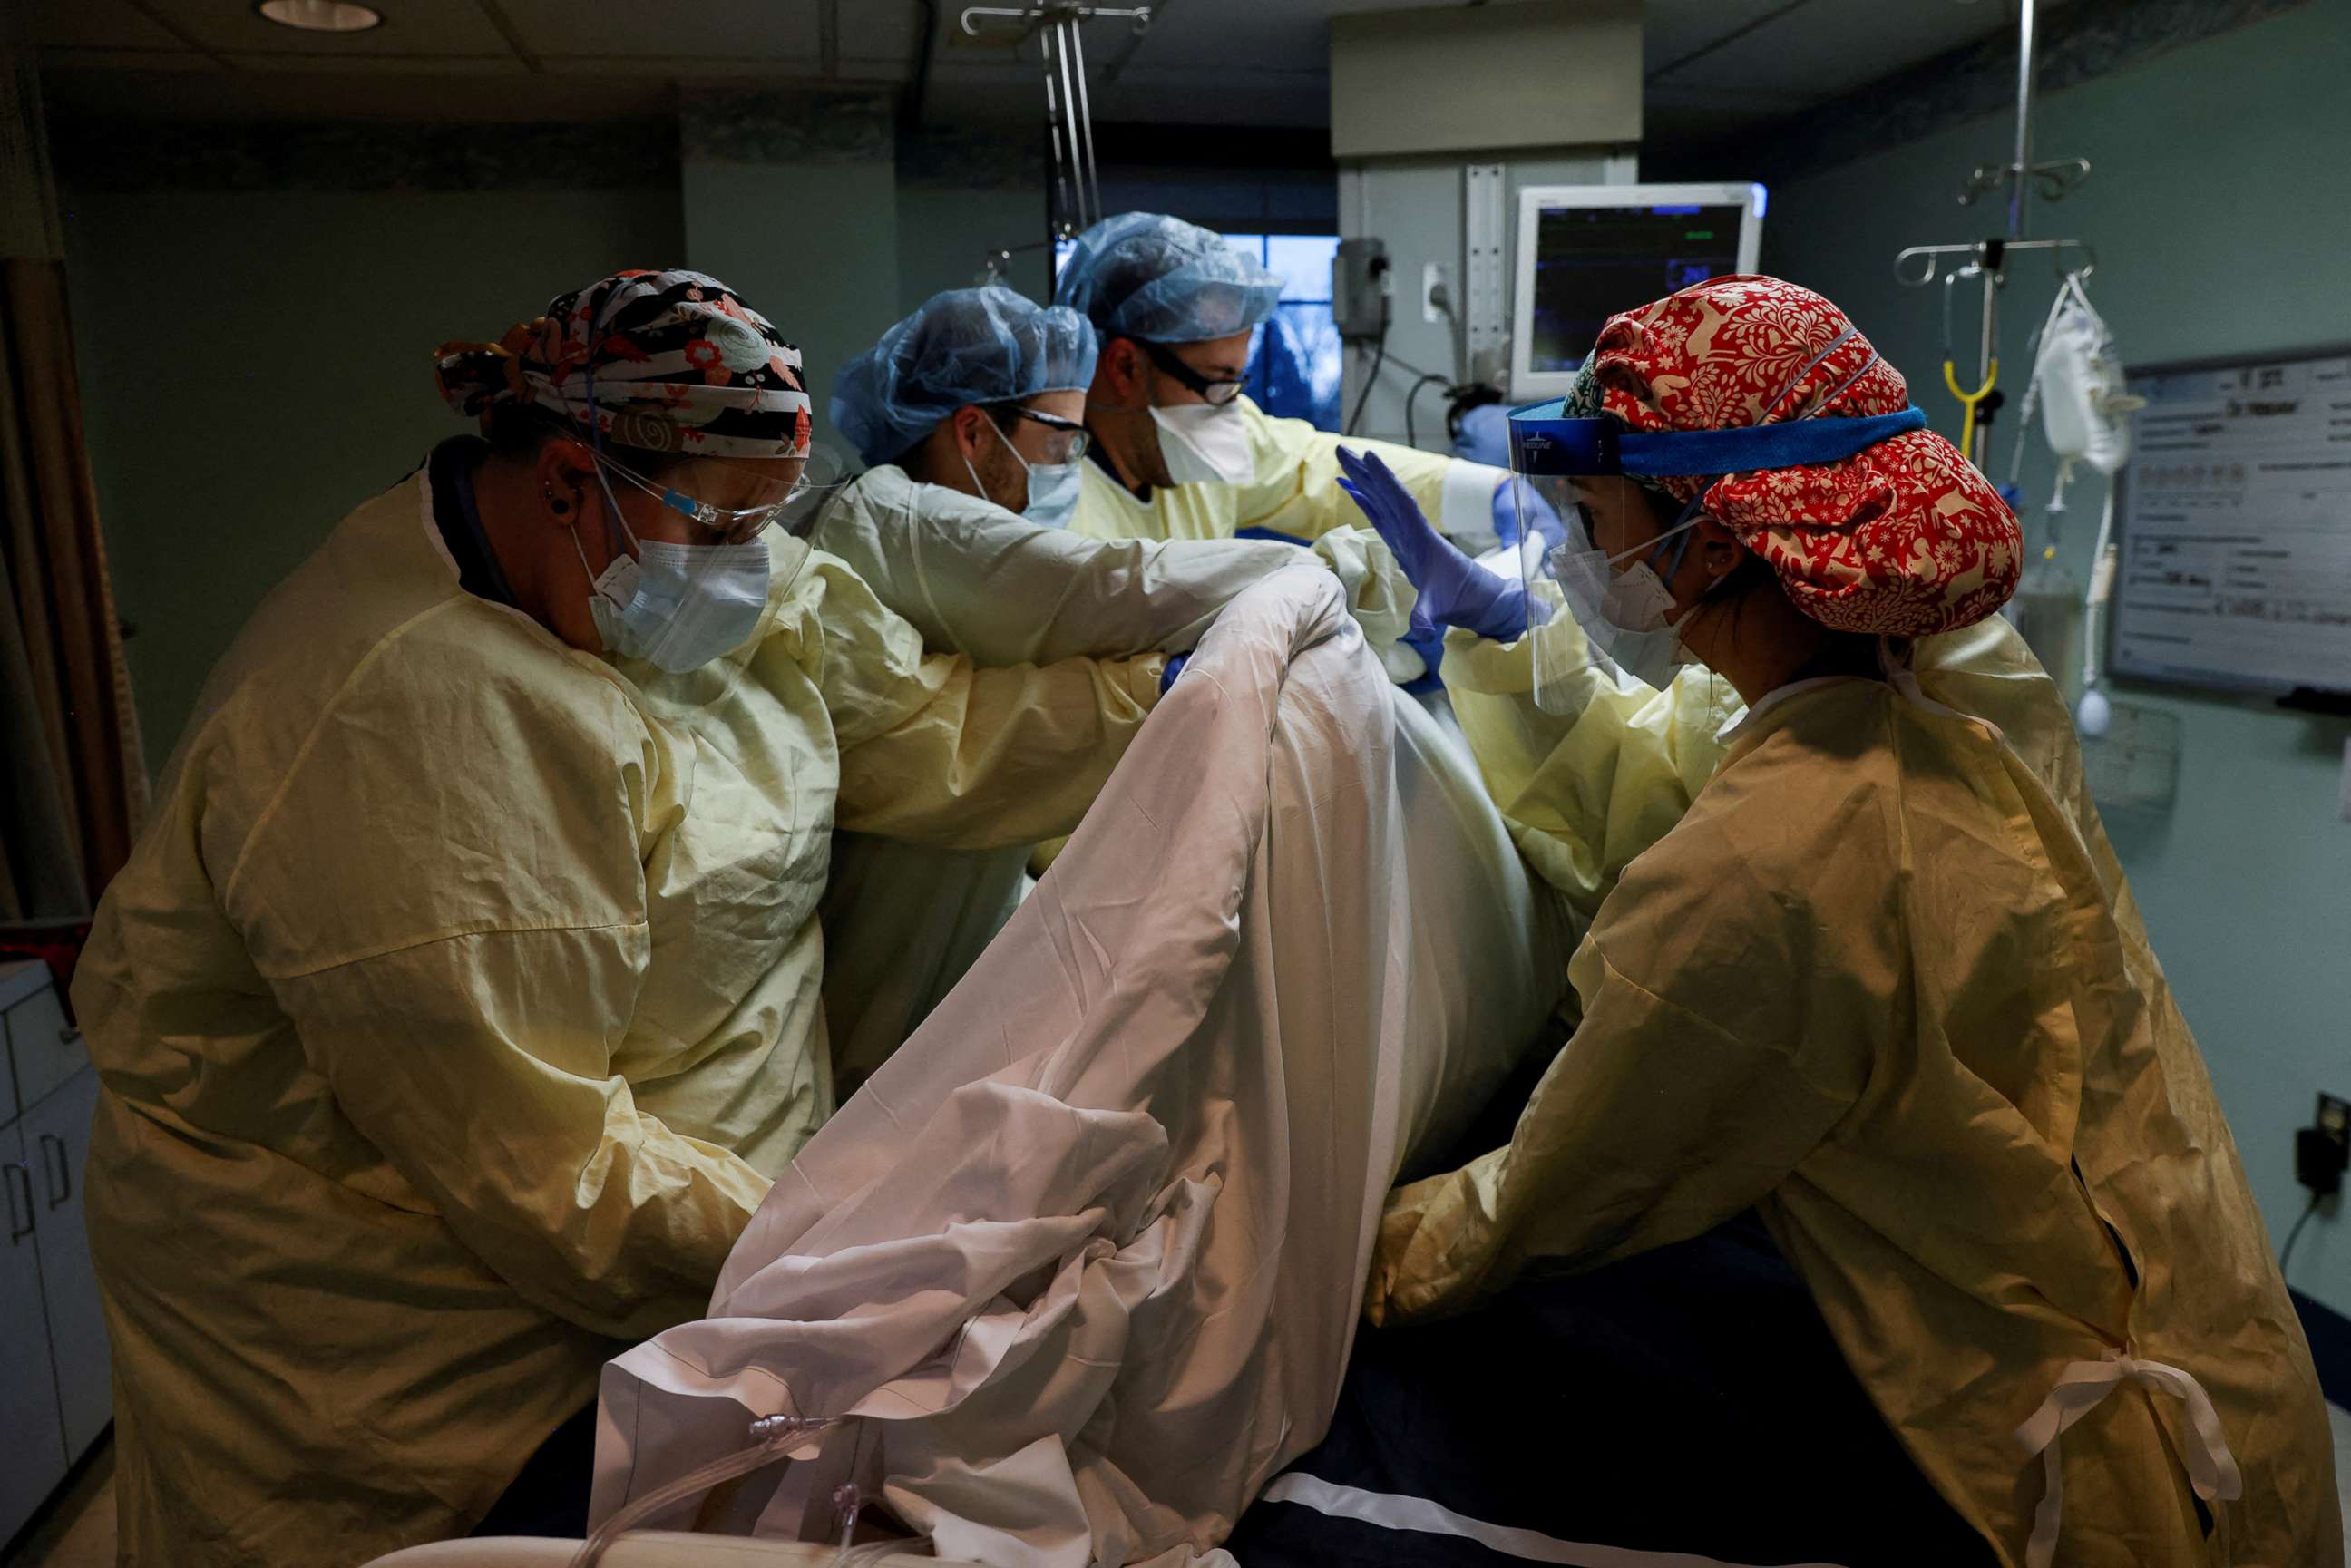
(1544, 444)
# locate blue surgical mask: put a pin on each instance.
(1052, 487)
(677, 607)
(1053, 493)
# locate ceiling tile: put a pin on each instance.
(286, 91)
(782, 76)
(280, 62)
(1213, 61)
(1829, 47)
(1671, 30)
(1213, 35)
(85, 64)
(410, 28)
(754, 33)
(98, 25)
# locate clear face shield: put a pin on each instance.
(1596, 595)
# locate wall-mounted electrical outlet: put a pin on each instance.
(2323, 1150)
(1438, 298)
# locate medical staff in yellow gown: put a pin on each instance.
(1944, 1065)
(1180, 453)
(968, 412)
(1289, 486)
(462, 1001)
(1884, 982)
(903, 922)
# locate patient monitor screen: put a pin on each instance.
(1593, 262)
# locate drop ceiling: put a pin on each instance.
(1715, 67)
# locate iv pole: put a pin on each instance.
(1073, 198)
(1987, 259)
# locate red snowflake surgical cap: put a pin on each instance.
(1905, 538)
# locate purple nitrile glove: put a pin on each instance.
(1454, 590)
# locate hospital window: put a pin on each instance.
(1294, 369)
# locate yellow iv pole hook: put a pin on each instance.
(1970, 402)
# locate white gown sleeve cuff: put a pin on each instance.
(1465, 504)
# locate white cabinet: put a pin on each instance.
(56, 1388)
(56, 1142)
(36, 1445)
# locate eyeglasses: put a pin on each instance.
(733, 524)
(1066, 439)
(1217, 390)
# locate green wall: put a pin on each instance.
(945, 235)
(255, 351)
(255, 364)
(2221, 209)
(815, 246)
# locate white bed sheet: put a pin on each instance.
(1084, 1257)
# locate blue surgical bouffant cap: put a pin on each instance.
(965, 346)
(1148, 276)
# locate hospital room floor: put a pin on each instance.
(78, 1530)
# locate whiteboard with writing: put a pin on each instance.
(2234, 519)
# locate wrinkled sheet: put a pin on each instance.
(1085, 1257)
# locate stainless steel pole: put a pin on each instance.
(2021, 175)
(1092, 179)
(1053, 117)
(2020, 203)
(1058, 33)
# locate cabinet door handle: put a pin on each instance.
(17, 1176)
(61, 1177)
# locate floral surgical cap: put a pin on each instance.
(672, 362)
(1905, 538)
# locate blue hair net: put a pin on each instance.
(1148, 276)
(965, 346)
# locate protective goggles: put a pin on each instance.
(818, 478)
(1215, 390)
(1067, 441)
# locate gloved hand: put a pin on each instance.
(1175, 663)
(1508, 497)
(1485, 435)
(1454, 590)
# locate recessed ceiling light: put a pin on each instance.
(321, 15)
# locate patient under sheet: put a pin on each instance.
(1084, 1259)
(904, 923)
